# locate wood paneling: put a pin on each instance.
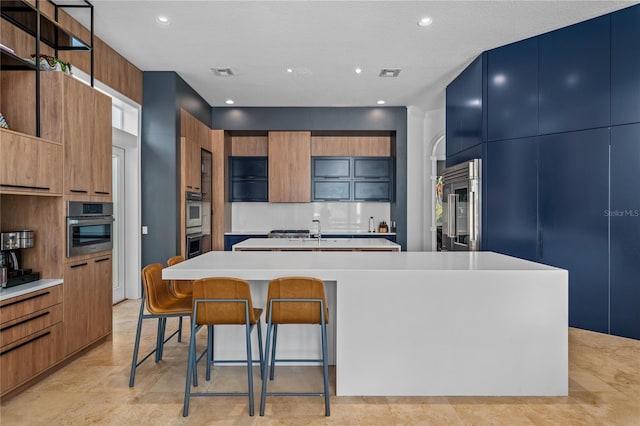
(194, 130)
(250, 146)
(32, 322)
(77, 115)
(101, 146)
(29, 303)
(46, 217)
(221, 217)
(290, 167)
(30, 165)
(351, 145)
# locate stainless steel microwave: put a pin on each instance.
(89, 227)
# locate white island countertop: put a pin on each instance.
(420, 323)
(313, 244)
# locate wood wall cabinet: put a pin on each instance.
(369, 144)
(30, 164)
(30, 336)
(190, 165)
(87, 302)
(73, 114)
(289, 167)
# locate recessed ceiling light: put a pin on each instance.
(289, 70)
(229, 102)
(358, 70)
(380, 102)
(425, 22)
(163, 20)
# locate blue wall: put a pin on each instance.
(560, 168)
(164, 93)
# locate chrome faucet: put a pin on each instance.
(319, 234)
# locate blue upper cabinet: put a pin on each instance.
(625, 66)
(624, 220)
(512, 91)
(573, 198)
(464, 109)
(575, 77)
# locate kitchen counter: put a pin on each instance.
(312, 244)
(324, 231)
(19, 290)
(420, 323)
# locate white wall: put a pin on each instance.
(334, 217)
(424, 130)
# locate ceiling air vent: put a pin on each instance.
(389, 72)
(222, 72)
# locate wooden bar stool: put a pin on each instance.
(222, 301)
(295, 300)
(160, 304)
(180, 288)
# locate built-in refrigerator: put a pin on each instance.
(461, 207)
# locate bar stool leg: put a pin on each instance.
(180, 329)
(263, 394)
(249, 366)
(210, 336)
(273, 353)
(190, 371)
(259, 325)
(136, 346)
(325, 369)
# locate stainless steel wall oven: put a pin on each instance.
(89, 227)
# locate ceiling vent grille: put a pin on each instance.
(222, 72)
(389, 72)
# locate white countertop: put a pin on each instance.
(314, 244)
(323, 264)
(324, 231)
(19, 290)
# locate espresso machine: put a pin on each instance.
(11, 244)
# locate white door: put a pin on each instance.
(119, 225)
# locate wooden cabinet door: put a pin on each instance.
(290, 167)
(101, 301)
(43, 173)
(195, 169)
(78, 136)
(101, 146)
(190, 163)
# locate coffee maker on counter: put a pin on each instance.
(11, 243)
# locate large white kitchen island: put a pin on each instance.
(424, 323)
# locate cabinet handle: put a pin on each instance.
(28, 298)
(102, 260)
(79, 191)
(79, 265)
(42, 188)
(44, 314)
(25, 343)
(101, 192)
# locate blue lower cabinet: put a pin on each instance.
(230, 240)
(573, 198)
(511, 198)
(624, 218)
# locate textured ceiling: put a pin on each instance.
(323, 42)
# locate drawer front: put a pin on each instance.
(22, 327)
(26, 304)
(27, 357)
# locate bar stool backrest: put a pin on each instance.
(296, 312)
(214, 313)
(181, 288)
(158, 296)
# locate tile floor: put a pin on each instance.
(604, 389)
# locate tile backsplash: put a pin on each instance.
(334, 217)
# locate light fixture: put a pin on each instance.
(425, 21)
(163, 20)
(229, 102)
(289, 70)
(358, 70)
(380, 102)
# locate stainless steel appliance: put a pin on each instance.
(461, 203)
(193, 214)
(194, 245)
(89, 227)
(11, 244)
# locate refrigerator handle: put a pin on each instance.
(452, 230)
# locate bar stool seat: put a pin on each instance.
(295, 300)
(160, 304)
(222, 301)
